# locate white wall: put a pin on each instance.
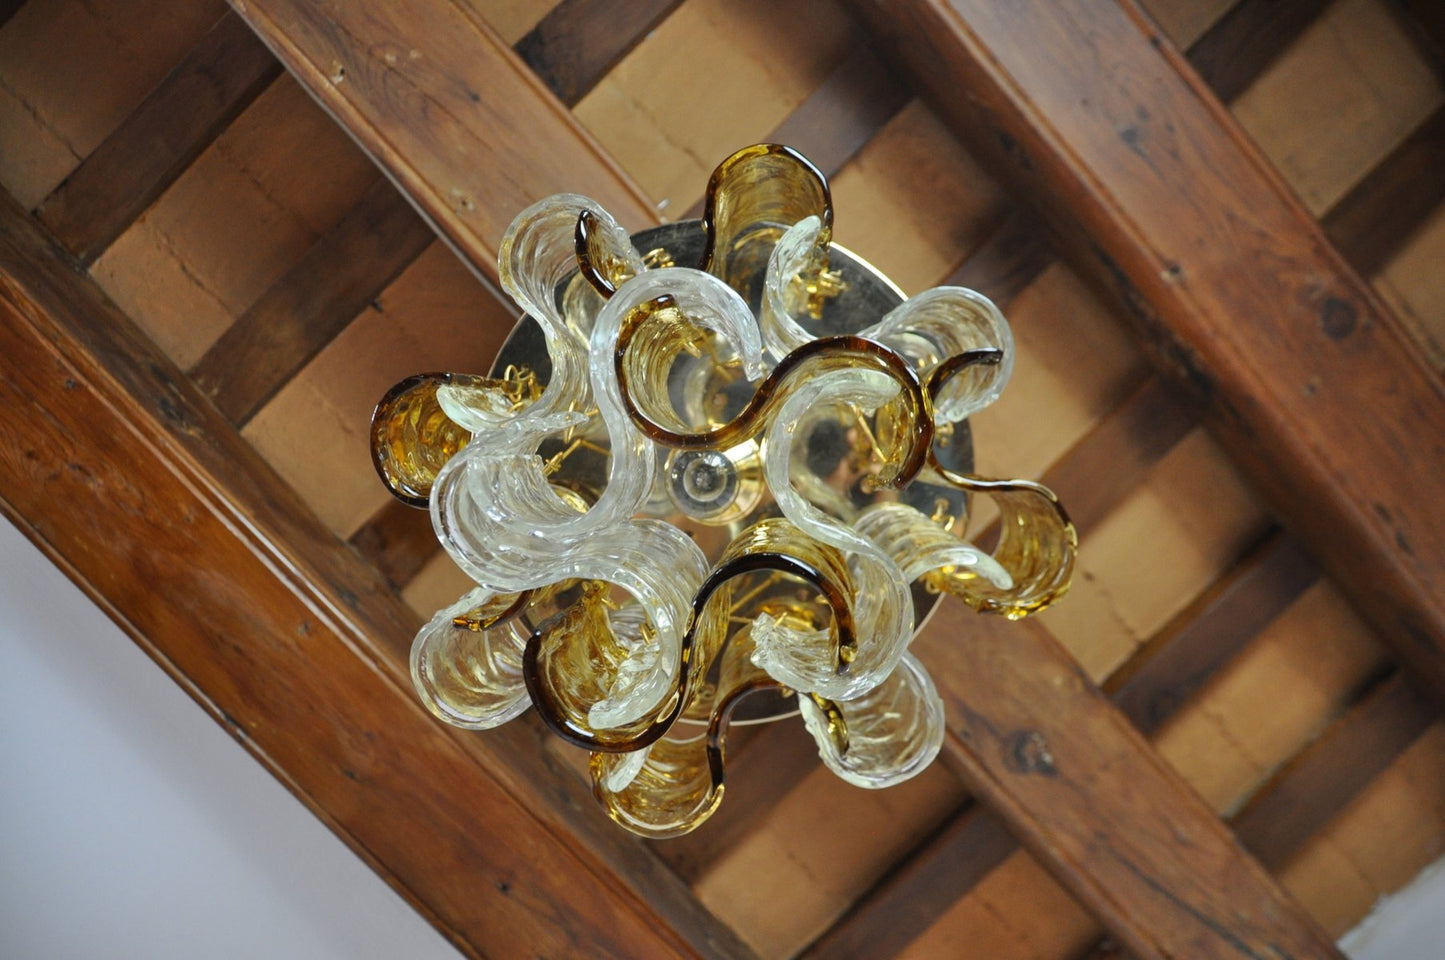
(1408, 925)
(131, 825)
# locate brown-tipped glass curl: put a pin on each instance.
(604, 268)
(680, 782)
(1037, 543)
(564, 653)
(652, 412)
(752, 197)
(412, 438)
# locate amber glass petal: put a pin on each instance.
(1036, 545)
(412, 437)
(753, 196)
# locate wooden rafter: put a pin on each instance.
(495, 138)
(293, 643)
(1302, 372)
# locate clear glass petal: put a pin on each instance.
(894, 730)
(471, 676)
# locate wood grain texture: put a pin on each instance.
(1247, 39)
(578, 41)
(1380, 213)
(398, 540)
(906, 902)
(1304, 796)
(116, 183)
(347, 268)
(1084, 792)
(848, 108)
(179, 531)
(1012, 257)
(447, 110)
(1176, 664)
(1230, 283)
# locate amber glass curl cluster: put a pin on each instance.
(720, 484)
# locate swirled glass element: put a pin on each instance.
(727, 491)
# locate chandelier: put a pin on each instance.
(696, 496)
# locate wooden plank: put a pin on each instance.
(342, 272)
(1177, 664)
(1230, 283)
(207, 90)
(1010, 259)
(579, 41)
(8, 9)
(398, 540)
(856, 100)
(906, 902)
(1316, 785)
(1082, 790)
(1380, 213)
(949, 865)
(447, 110)
(174, 525)
(1245, 41)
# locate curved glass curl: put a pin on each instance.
(466, 662)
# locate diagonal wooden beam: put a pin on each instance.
(1380, 213)
(223, 74)
(1078, 785)
(944, 868)
(575, 45)
(453, 116)
(175, 526)
(1304, 374)
(1315, 786)
(8, 9)
(1241, 45)
(317, 298)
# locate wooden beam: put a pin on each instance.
(1082, 790)
(919, 889)
(943, 869)
(1012, 257)
(838, 119)
(8, 9)
(398, 540)
(1380, 213)
(174, 525)
(1241, 45)
(343, 272)
(134, 165)
(1316, 785)
(451, 114)
(575, 45)
(1304, 374)
(1175, 665)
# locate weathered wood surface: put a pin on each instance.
(1302, 372)
(1205, 637)
(494, 139)
(578, 41)
(1233, 52)
(1082, 790)
(1376, 218)
(346, 269)
(292, 643)
(1316, 785)
(179, 119)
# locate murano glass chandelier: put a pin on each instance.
(693, 496)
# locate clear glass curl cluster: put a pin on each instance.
(727, 486)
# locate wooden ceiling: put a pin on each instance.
(1231, 335)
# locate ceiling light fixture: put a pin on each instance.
(699, 496)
